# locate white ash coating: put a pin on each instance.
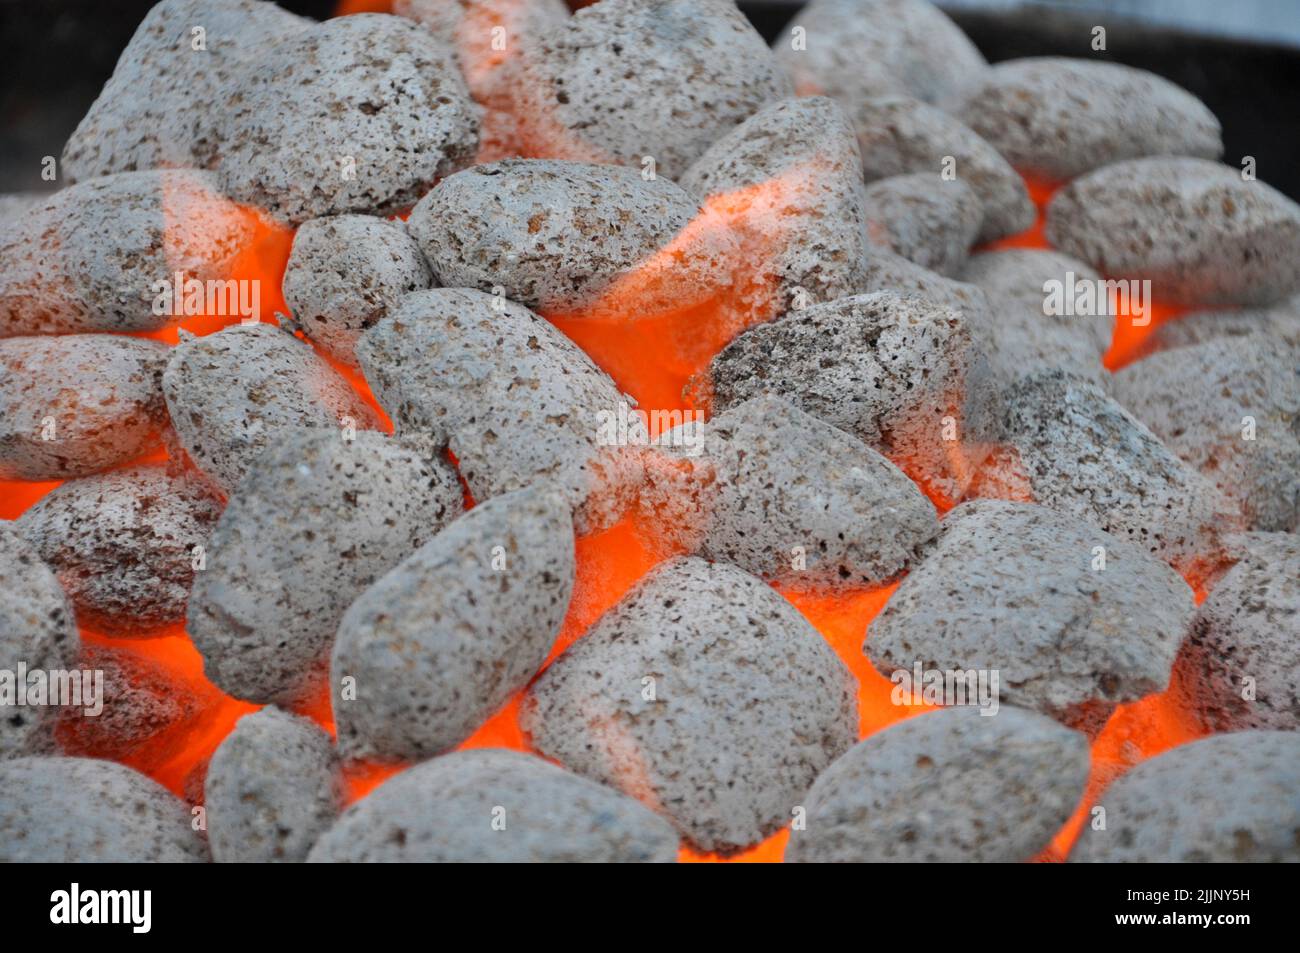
(887, 271)
(1020, 337)
(14, 205)
(928, 220)
(888, 369)
(1073, 448)
(1279, 321)
(899, 135)
(101, 394)
(162, 106)
(344, 274)
(1057, 117)
(1200, 233)
(315, 522)
(271, 789)
(1012, 587)
(1231, 409)
(625, 79)
(437, 645)
(790, 499)
(1232, 798)
(948, 786)
(496, 806)
(373, 89)
(557, 236)
(514, 399)
(80, 810)
(749, 703)
(122, 544)
(856, 49)
(1249, 628)
(38, 629)
(793, 168)
(92, 256)
(234, 393)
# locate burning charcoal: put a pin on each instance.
(628, 79)
(125, 544)
(163, 103)
(1021, 337)
(925, 219)
(489, 37)
(793, 170)
(496, 806)
(513, 398)
(344, 275)
(76, 404)
(854, 49)
(37, 633)
(1056, 118)
(789, 498)
(1245, 646)
(904, 375)
(357, 114)
(95, 256)
(900, 135)
(1070, 447)
(234, 393)
(1279, 321)
(1196, 229)
(950, 786)
(79, 810)
(147, 711)
(446, 638)
(1070, 618)
(559, 236)
(1226, 799)
(317, 520)
(886, 271)
(271, 789)
(1231, 409)
(705, 695)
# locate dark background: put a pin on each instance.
(56, 54)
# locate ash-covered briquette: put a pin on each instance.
(903, 374)
(1229, 407)
(104, 255)
(14, 205)
(344, 275)
(38, 630)
(1071, 618)
(496, 806)
(357, 114)
(443, 640)
(490, 37)
(557, 236)
(72, 405)
(316, 521)
(1067, 445)
(79, 810)
(1232, 798)
(1200, 232)
(887, 271)
(628, 79)
(234, 393)
(125, 544)
(1021, 337)
(1058, 117)
(272, 789)
(1279, 321)
(705, 695)
(925, 218)
(1244, 651)
(949, 786)
(899, 135)
(514, 399)
(789, 498)
(163, 104)
(854, 49)
(793, 174)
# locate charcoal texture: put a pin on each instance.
(1279, 321)
(924, 218)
